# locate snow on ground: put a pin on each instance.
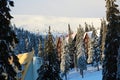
(90, 74)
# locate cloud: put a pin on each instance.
(41, 23)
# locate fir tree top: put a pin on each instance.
(112, 10)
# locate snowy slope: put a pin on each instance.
(90, 74)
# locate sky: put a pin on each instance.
(61, 8)
(37, 15)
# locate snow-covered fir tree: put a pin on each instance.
(80, 51)
(90, 51)
(91, 27)
(50, 69)
(79, 41)
(96, 48)
(70, 46)
(65, 59)
(112, 42)
(26, 44)
(103, 31)
(23, 44)
(40, 49)
(81, 60)
(118, 65)
(36, 44)
(86, 27)
(7, 43)
(27, 41)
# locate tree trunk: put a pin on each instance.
(65, 76)
(75, 62)
(118, 65)
(81, 73)
(98, 67)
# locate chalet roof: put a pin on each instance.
(73, 36)
(88, 33)
(25, 60)
(58, 39)
(98, 33)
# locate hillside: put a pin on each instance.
(90, 74)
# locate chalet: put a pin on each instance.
(59, 43)
(72, 49)
(59, 47)
(86, 38)
(30, 64)
(73, 35)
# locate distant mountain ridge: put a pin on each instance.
(37, 23)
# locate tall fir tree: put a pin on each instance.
(96, 48)
(90, 50)
(70, 46)
(80, 51)
(103, 32)
(26, 44)
(40, 49)
(79, 41)
(65, 59)
(50, 69)
(81, 59)
(86, 27)
(7, 43)
(112, 42)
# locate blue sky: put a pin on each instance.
(60, 8)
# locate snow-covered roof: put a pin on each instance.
(88, 33)
(98, 33)
(25, 59)
(73, 36)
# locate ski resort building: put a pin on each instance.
(87, 37)
(59, 47)
(30, 65)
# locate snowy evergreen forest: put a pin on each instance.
(68, 56)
